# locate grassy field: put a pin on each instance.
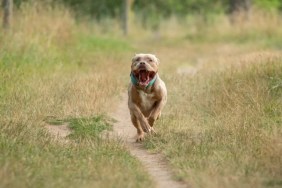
(224, 129)
(222, 124)
(220, 128)
(52, 69)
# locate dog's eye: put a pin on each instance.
(150, 60)
(137, 59)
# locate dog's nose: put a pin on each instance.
(142, 63)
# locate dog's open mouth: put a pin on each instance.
(144, 76)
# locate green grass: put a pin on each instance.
(88, 127)
(83, 128)
(103, 44)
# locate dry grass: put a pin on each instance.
(224, 130)
(221, 127)
(49, 68)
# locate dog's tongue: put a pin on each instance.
(143, 77)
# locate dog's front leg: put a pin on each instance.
(140, 132)
(156, 112)
(138, 119)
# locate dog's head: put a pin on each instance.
(144, 67)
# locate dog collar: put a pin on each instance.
(134, 80)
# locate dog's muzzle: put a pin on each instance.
(144, 76)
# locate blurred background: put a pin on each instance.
(160, 18)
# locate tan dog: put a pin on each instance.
(147, 93)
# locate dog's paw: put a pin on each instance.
(153, 132)
(140, 138)
(146, 128)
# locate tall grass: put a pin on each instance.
(222, 127)
(222, 124)
(49, 67)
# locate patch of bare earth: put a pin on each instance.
(155, 164)
(60, 132)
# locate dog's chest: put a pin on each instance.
(147, 100)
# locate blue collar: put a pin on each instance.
(135, 81)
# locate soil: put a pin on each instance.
(155, 164)
(59, 131)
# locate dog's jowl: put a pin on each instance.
(147, 93)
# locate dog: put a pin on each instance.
(147, 94)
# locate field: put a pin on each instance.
(220, 128)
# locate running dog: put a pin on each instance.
(147, 94)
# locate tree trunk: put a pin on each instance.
(239, 9)
(125, 20)
(8, 12)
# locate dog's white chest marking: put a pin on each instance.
(147, 100)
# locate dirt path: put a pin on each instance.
(155, 164)
(60, 132)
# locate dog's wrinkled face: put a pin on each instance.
(144, 67)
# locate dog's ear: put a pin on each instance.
(157, 59)
(133, 58)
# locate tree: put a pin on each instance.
(238, 8)
(97, 9)
(8, 11)
(152, 12)
(126, 7)
(101, 9)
